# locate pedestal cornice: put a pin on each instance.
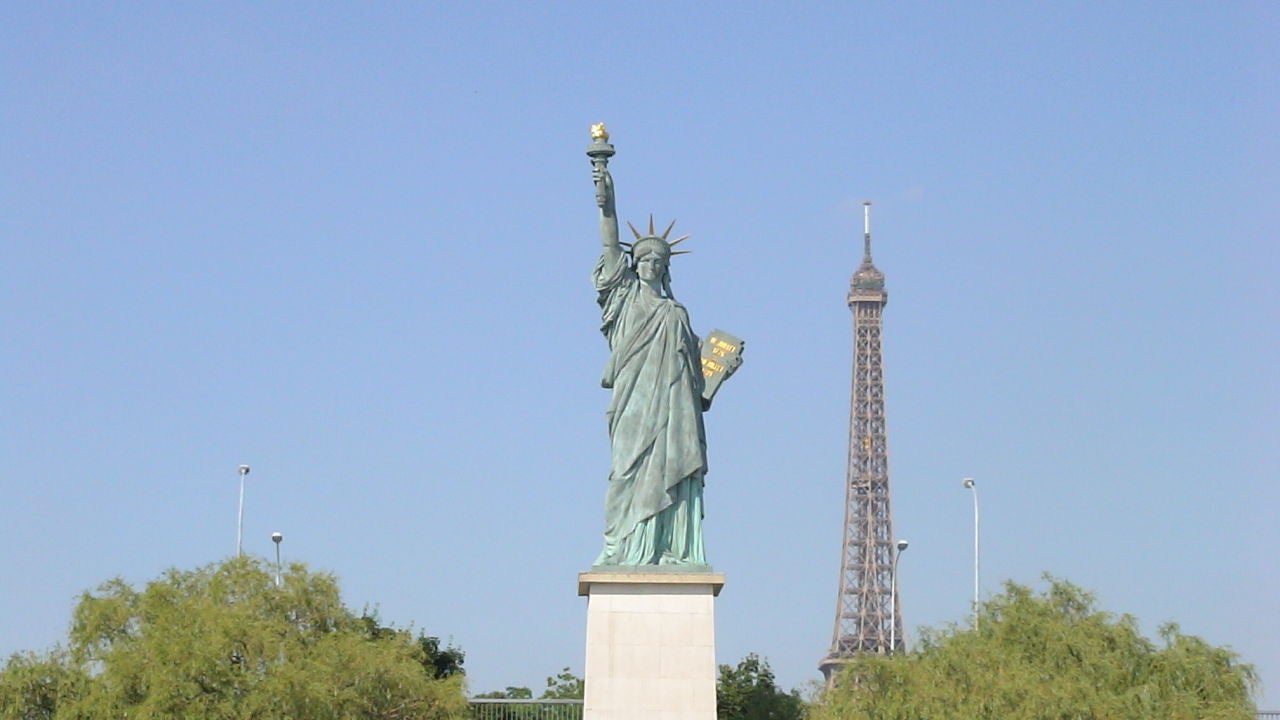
(648, 575)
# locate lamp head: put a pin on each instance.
(902, 545)
(968, 483)
(244, 469)
(276, 537)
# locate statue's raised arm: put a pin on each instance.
(600, 151)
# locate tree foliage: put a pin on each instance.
(1047, 655)
(513, 692)
(439, 662)
(564, 685)
(224, 642)
(749, 692)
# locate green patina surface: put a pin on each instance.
(658, 372)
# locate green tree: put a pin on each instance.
(561, 686)
(224, 643)
(564, 686)
(443, 662)
(32, 687)
(1046, 655)
(439, 662)
(749, 692)
(511, 693)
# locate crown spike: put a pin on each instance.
(634, 231)
(678, 240)
(651, 233)
(667, 232)
(681, 252)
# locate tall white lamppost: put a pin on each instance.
(977, 587)
(277, 537)
(244, 470)
(893, 598)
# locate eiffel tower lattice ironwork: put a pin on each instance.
(868, 617)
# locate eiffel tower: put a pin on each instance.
(868, 618)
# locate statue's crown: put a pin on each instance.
(653, 242)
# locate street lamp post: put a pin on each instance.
(893, 598)
(276, 537)
(244, 470)
(977, 587)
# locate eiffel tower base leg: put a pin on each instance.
(650, 644)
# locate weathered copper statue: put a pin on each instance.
(653, 510)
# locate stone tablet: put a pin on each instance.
(721, 355)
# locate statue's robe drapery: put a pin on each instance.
(653, 509)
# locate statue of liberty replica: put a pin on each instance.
(663, 378)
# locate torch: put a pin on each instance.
(600, 150)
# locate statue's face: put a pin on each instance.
(651, 267)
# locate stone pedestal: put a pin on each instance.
(651, 649)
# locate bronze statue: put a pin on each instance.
(653, 510)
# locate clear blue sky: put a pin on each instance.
(349, 245)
